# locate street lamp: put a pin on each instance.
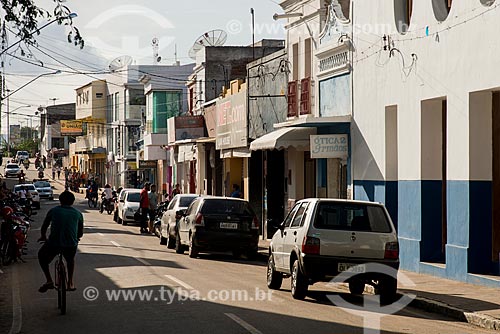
(15, 91)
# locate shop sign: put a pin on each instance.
(71, 128)
(148, 164)
(329, 146)
(231, 122)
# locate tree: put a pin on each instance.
(29, 145)
(23, 19)
(28, 133)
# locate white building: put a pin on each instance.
(425, 129)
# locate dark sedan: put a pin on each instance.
(218, 224)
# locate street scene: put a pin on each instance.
(319, 166)
(126, 282)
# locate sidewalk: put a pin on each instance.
(477, 305)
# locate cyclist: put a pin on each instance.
(66, 229)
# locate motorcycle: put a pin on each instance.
(108, 205)
(41, 174)
(160, 210)
(13, 236)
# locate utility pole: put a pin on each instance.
(253, 32)
(8, 125)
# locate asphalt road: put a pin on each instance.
(225, 295)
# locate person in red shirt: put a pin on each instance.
(144, 205)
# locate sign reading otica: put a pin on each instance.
(329, 146)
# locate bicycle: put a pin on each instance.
(61, 282)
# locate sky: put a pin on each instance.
(114, 28)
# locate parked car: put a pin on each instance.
(170, 218)
(22, 155)
(321, 238)
(35, 197)
(12, 170)
(128, 203)
(44, 189)
(218, 224)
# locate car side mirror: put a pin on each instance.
(275, 224)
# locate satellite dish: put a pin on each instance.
(215, 37)
(120, 62)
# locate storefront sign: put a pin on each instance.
(148, 164)
(231, 122)
(329, 146)
(185, 127)
(71, 128)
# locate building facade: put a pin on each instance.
(425, 131)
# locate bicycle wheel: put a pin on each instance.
(62, 288)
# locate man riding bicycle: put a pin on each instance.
(66, 229)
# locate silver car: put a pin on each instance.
(170, 218)
(44, 189)
(12, 170)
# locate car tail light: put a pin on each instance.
(199, 221)
(311, 245)
(391, 250)
(255, 223)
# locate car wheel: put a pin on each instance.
(236, 253)
(387, 288)
(179, 248)
(124, 223)
(170, 241)
(252, 254)
(115, 217)
(299, 283)
(163, 241)
(274, 278)
(193, 250)
(118, 220)
(356, 287)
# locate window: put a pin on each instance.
(184, 202)
(193, 207)
(487, 2)
(289, 218)
(441, 9)
(172, 204)
(299, 217)
(98, 95)
(165, 106)
(352, 217)
(216, 206)
(117, 106)
(136, 97)
(402, 13)
(295, 60)
(134, 197)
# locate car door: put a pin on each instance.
(185, 222)
(121, 203)
(279, 238)
(291, 233)
(166, 220)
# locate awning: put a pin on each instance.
(284, 138)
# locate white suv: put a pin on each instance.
(321, 238)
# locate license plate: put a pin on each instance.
(351, 267)
(230, 226)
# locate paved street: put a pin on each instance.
(113, 259)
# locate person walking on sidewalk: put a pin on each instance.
(53, 172)
(144, 207)
(58, 169)
(153, 204)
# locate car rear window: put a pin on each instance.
(134, 197)
(186, 201)
(12, 166)
(352, 217)
(42, 184)
(217, 206)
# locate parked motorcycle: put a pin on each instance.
(160, 210)
(13, 234)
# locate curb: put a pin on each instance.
(473, 318)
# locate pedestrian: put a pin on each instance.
(153, 204)
(66, 174)
(144, 207)
(58, 169)
(54, 172)
(44, 160)
(177, 190)
(236, 191)
(66, 229)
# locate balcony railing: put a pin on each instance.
(90, 143)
